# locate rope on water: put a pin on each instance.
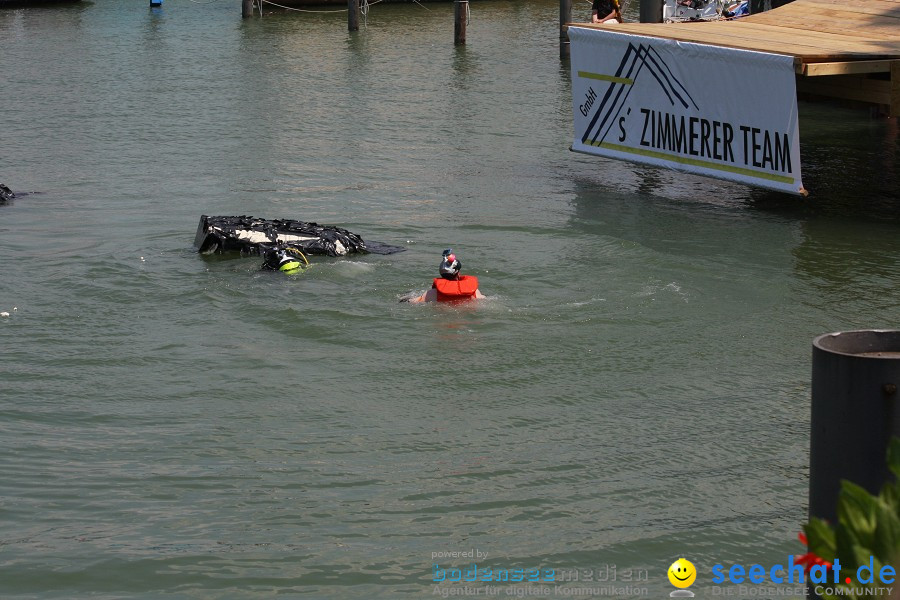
(298, 252)
(363, 7)
(338, 10)
(364, 11)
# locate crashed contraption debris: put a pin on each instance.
(6, 194)
(255, 236)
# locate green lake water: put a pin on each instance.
(634, 388)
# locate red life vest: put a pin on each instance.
(461, 289)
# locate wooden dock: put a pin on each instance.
(341, 3)
(354, 9)
(846, 49)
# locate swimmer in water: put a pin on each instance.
(287, 260)
(451, 286)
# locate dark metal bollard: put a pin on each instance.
(651, 11)
(855, 375)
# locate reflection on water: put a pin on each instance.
(851, 163)
(850, 265)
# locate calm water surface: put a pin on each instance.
(635, 387)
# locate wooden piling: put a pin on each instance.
(246, 8)
(352, 15)
(460, 12)
(894, 108)
(565, 17)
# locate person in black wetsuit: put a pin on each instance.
(284, 259)
(603, 10)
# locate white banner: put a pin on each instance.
(719, 112)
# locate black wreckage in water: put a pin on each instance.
(251, 235)
(6, 194)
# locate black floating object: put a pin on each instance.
(6, 194)
(250, 235)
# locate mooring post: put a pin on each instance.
(460, 12)
(352, 15)
(894, 107)
(855, 413)
(565, 17)
(246, 8)
(651, 11)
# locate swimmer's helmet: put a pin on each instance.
(450, 266)
(286, 260)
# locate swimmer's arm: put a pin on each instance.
(478, 294)
(429, 296)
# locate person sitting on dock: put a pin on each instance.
(741, 9)
(451, 286)
(605, 11)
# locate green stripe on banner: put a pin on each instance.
(589, 75)
(694, 162)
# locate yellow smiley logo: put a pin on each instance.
(682, 573)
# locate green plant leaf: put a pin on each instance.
(893, 456)
(846, 548)
(890, 495)
(867, 526)
(820, 538)
(886, 541)
(856, 510)
(860, 555)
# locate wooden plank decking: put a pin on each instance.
(810, 30)
(847, 49)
